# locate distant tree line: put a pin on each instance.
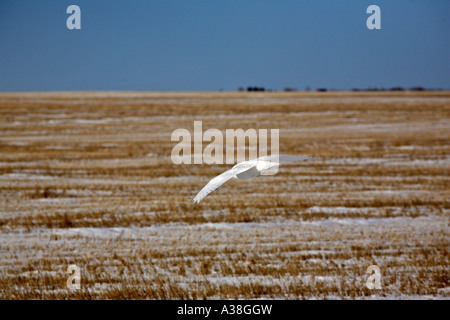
(393, 89)
(290, 89)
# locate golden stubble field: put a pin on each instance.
(87, 179)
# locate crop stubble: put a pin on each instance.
(87, 179)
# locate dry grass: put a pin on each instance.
(86, 179)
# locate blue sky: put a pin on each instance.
(206, 45)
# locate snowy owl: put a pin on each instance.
(246, 170)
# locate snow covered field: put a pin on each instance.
(87, 179)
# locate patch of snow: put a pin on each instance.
(331, 210)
